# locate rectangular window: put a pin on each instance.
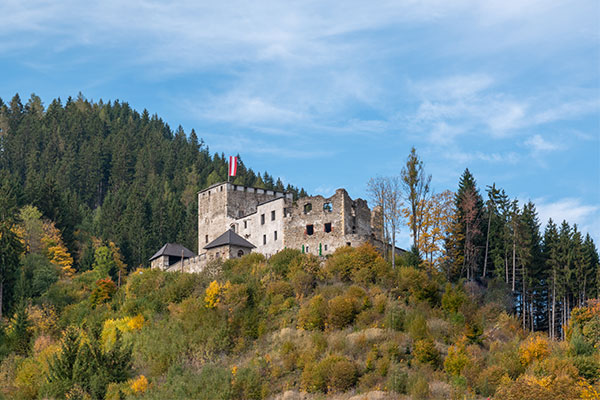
(275, 235)
(328, 227)
(264, 239)
(273, 215)
(245, 224)
(325, 247)
(307, 249)
(310, 229)
(262, 219)
(206, 238)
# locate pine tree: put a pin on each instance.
(61, 366)
(550, 254)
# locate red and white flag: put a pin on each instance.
(232, 165)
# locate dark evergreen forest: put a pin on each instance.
(103, 170)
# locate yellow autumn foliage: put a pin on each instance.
(534, 348)
(139, 385)
(214, 292)
(55, 250)
(124, 325)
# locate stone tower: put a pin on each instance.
(224, 206)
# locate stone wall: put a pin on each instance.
(161, 262)
(265, 227)
(228, 206)
(193, 264)
(212, 214)
(321, 225)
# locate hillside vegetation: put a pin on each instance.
(252, 329)
(483, 305)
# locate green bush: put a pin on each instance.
(333, 373)
(210, 383)
(280, 262)
(313, 314)
(588, 367)
(420, 389)
(453, 299)
(342, 311)
(395, 317)
(247, 384)
(425, 352)
(417, 327)
(289, 355)
(416, 285)
(362, 265)
(397, 380)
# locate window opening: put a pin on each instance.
(348, 244)
(262, 219)
(206, 238)
(245, 224)
(328, 227)
(272, 215)
(310, 229)
(240, 253)
(327, 207)
(325, 247)
(307, 208)
(275, 235)
(264, 239)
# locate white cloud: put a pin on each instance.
(574, 211)
(538, 144)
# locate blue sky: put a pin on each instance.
(328, 94)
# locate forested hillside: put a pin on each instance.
(103, 170)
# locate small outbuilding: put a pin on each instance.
(228, 245)
(170, 254)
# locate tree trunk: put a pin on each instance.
(393, 245)
(1, 297)
(514, 256)
(523, 301)
(487, 241)
(552, 336)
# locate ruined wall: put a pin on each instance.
(242, 200)
(336, 221)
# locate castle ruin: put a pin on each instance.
(234, 220)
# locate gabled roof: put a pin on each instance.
(173, 250)
(229, 238)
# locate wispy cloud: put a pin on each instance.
(574, 211)
(538, 144)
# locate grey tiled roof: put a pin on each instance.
(229, 238)
(173, 250)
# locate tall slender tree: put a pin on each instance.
(416, 190)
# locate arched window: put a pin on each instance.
(240, 253)
(307, 208)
